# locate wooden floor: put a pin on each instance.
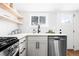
(72, 53)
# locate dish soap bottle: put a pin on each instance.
(60, 31)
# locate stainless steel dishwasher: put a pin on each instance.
(57, 46)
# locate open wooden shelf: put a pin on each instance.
(10, 10)
(10, 19)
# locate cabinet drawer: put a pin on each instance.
(22, 45)
(22, 52)
(22, 49)
(37, 38)
(22, 40)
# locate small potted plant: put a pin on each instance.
(50, 31)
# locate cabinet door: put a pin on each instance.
(76, 32)
(32, 46)
(37, 46)
(42, 51)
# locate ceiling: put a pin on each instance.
(46, 7)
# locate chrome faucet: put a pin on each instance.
(38, 30)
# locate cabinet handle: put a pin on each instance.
(23, 41)
(22, 50)
(37, 45)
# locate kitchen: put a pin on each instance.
(39, 29)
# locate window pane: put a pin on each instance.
(42, 19)
(34, 20)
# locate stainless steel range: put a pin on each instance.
(9, 46)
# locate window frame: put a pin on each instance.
(38, 20)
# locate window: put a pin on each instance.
(35, 20)
(42, 20)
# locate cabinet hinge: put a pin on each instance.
(73, 15)
(73, 46)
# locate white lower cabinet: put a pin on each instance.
(23, 47)
(37, 46)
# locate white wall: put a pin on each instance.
(51, 21)
(6, 26)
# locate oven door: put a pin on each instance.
(6, 52)
(11, 51)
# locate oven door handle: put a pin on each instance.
(22, 50)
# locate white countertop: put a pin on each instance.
(29, 34)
